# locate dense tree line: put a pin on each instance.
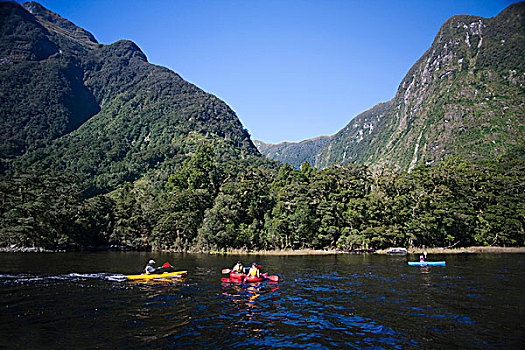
(211, 205)
(99, 147)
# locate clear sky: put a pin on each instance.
(290, 69)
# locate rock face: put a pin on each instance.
(464, 97)
(102, 112)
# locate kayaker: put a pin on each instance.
(150, 267)
(238, 267)
(425, 255)
(254, 271)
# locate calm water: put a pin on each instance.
(79, 300)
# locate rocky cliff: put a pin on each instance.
(464, 98)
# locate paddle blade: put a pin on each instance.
(225, 271)
(166, 265)
(273, 278)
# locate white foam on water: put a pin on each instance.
(24, 278)
(116, 278)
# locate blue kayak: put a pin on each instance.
(426, 263)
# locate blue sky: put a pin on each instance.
(291, 70)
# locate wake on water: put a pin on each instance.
(72, 277)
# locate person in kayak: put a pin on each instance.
(423, 258)
(238, 267)
(150, 267)
(254, 271)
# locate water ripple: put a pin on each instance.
(319, 303)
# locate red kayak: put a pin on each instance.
(255, 278)
(237, 276)
(242, 277)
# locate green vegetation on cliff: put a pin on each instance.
(99, 147)
(462, 98)
(294, 153)
(101, 112)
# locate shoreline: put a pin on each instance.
(299, 252)
(463, 250)
(413, 250)
(277, 252)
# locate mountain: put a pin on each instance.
(293, 153)
(464, 97)
(101, 148)
(100, 112)
(42, 95)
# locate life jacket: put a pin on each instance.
(238, 268)
(253, 271)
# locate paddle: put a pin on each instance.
(165, 268)
(271, 277)
(225, 271)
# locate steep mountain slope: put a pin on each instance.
(101, 112)
(293, 153)
(42, 96)
(464, 97)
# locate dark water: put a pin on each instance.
(79, 300)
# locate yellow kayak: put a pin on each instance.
(155, 276)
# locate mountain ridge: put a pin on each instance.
(462, 98)
(293, 153)
(135, 115)
(56, 23)
(100, 147)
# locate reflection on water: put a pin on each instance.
(243, 299)
(323, 302)
(244, 296)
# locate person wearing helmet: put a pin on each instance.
(254, 271)
(238, 267)
(150, 267)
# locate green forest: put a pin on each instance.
(207, 205)
(100, 148)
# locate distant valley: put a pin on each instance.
(463, 98)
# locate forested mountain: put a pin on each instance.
(293, 153)
(464, 97)
(101, 112)
(99, 147)
(42, 95)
